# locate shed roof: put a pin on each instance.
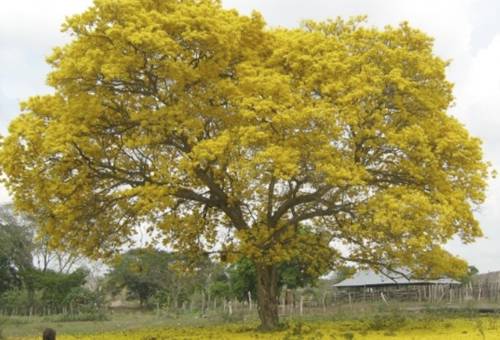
(370, 278)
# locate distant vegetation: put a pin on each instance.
(35, 280)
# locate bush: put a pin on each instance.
(297, 331)
(89, 316)
(16, 301)
(389, 322)
(75, 300)
(82, 300)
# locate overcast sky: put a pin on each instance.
(465, 31)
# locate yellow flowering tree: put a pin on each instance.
(329, 142)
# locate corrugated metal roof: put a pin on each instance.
(370, 278)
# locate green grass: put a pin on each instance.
(358, 321)
(24, 326)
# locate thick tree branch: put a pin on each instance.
(318, 213)
(270, 198)
(193, 196)
(232, 211)
(297, 200)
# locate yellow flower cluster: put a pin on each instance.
(444, 329)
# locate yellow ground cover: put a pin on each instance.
(422, 329)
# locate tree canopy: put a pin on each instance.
(329, 142)
(143, 272)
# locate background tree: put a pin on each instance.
(46, 257)
(467, 277)
(148, 273)
(241, 278)
(16, 247)
(143, 272)
(50, 292)
(8, 275)
(228, 136)
(24, 287)
(56, 287)
(16, 239)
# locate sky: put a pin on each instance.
(466, 32)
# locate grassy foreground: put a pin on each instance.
(431, 327)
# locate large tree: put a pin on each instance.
(227, 136)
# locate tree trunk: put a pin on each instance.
(267, 296)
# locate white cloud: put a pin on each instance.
(36, 24)
(478, 95)
(447, 20)
(478, 107)
(29, 29)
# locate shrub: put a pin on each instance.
(89, 316)
(299, 330)
(82, 300)
(389, 322)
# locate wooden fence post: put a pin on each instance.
(301, 304)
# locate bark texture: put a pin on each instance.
(267, 296)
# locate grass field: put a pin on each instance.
(144, 326)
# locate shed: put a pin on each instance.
(369, 278)
(368, 285)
